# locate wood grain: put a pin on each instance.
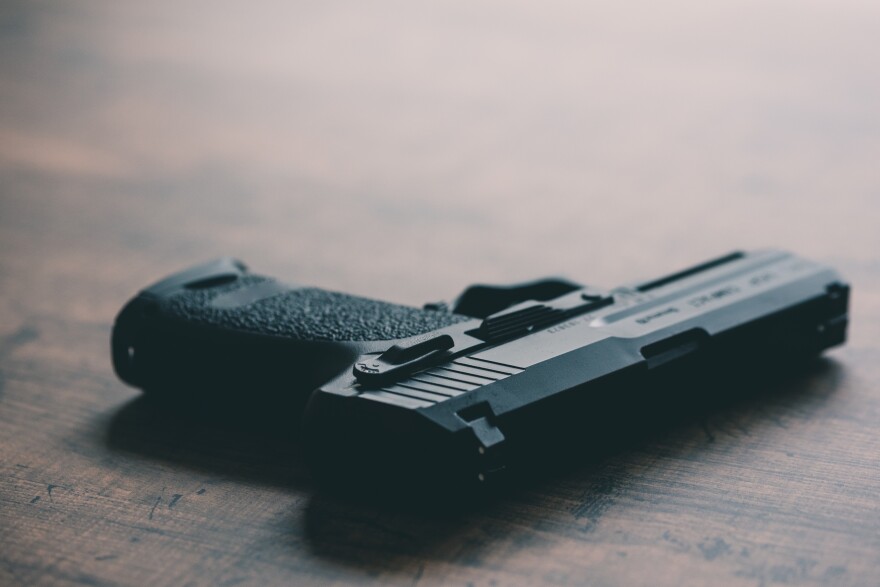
(403, 151)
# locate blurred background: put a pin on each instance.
(403, 150)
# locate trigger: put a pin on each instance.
(480, 301)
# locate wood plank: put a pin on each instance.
(402, 152)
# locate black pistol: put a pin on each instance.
(448, 401)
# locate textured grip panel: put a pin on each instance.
(303, 313)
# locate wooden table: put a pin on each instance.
(402, 151)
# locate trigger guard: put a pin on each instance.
(480, 301)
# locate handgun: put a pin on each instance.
(457, 398)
